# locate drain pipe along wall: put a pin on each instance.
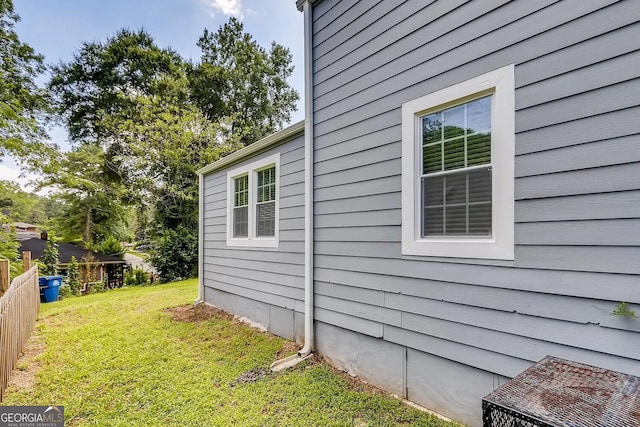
(308, 183)
(306, 350)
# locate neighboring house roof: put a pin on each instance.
(66, 251)
(22, 230)
(24, 225)
(24, 235)
(266, 142)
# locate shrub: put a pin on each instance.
(65, 291)
(8, 245)
(96, 287)
(73, 277)
(136, 277)
(50, 258)
(176, 254)
(110, 246)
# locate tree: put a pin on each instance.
(241, 82)
(23, 105)
(104, 80)
(157, 120)
(8, 244)
(73, 276)
(22, 206)
(168, 145)
(101, 95)
(176, 254)
(50, 258)
(91, 194)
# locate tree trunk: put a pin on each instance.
(87, 226)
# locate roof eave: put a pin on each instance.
(300, 3)
(266, 142)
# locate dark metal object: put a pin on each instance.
(560, 393)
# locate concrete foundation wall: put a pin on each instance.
(449, 388)
(277, 320)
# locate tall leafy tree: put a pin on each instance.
(20, 205)
(8, 244)
(241, 81)
(104, 80)
(22, 103)
(91, 195)
(168, 144)
(101, 96)
(158, 120)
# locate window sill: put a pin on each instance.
(253, 243)
(480, 249)
(466, 261)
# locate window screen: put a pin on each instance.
(266, 203)
(456, 170)
(241, 206)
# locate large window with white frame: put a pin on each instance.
(252, 203)
(458, 170)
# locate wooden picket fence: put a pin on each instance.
(19, 307)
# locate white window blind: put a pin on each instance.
(241, 207)
(266, 203)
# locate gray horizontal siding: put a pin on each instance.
(609, 152)
(378, 98)
(577, 193)
(269, 275)
(624, 205)
(487, 360)
(380, 73)
(378, 273)
(356, 286)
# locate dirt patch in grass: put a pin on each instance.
(196, 313)
(24, 376)
(249, 377)
(288, 348)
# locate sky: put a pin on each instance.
(56, 29)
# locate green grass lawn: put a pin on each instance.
(117, 359)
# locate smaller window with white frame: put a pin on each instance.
(458, 170)
(252, 203)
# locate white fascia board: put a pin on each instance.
(266, 142)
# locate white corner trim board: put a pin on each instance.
(500, 85)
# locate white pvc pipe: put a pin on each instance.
(308, 183)
(200, 239)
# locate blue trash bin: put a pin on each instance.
(49, 288)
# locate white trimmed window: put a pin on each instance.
(252, 203)
(458, 170)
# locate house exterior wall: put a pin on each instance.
(451, 330)
(266, 285)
